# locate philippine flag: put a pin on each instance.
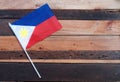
(35, 26)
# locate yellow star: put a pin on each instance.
(23, 32)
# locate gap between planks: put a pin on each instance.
(71, 61)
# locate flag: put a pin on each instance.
(35, 26)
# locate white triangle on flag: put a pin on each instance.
(23, 33)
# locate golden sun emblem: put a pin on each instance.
(23, 32)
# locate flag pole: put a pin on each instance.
(32, 63)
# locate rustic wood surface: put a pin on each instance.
(87, 49)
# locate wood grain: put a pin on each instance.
(75, 27)
(60, 72)
(61, 4)
(82, 27)
(61, 61)
(66, 54)
(103, 14)
(55, 43)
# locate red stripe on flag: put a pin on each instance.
(44, 30)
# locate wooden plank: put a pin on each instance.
(61, 4)
(62, 61)
(76, 54)
(55, 43)
(75, 27)
(67, 14)
(60, 72)
(81, 27)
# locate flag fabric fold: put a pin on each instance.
(35, 26)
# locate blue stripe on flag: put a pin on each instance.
(36, 17)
